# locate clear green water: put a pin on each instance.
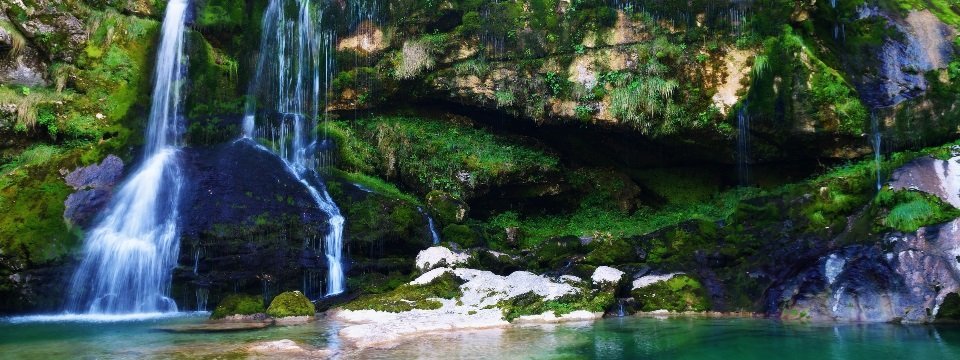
(627, 338)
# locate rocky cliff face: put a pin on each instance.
(573, 134)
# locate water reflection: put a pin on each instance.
(629, 337)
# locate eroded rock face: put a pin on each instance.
(439, 256)
(367, 39)
(94, 185)
(925, 45)
(51, 25)
(906, 284)
(904, 278)
(20, 64)
(248, 225)
(932, 176)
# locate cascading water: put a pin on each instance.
(743, 144)
(293, 73)
(431, 225)
(876, 140)
(129, 255)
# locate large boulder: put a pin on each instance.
(21, 63)
(675, 292)
(248, 225)
(290, 304)
(50, 25)
(94, 187)
(908, 283)
(439, 256)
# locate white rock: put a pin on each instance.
(429, 276)
(570, 278)
(475, 309)
(484, 288)
(287, 348)
(606, 275)
(439, 256)
(651, 279)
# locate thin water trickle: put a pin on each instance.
(743, 144)
(431, 225)
(287, 96)
(129, 255)
(877, 141)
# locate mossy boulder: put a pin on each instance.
(950, 308)
(238, 304)
(409, 296)
(291, 303)
(533, 304)
(676, 294)
(463, 235)
(446, 208)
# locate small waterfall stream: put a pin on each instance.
(294, 72)
(431, 225)
(876, 139)
(743, 144)
(129, 255)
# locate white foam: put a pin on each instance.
(99, 318)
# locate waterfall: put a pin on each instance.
(434, 236)
(129, 255)
(433, 230)
(743, 144)
(876, 140)
(293, 74)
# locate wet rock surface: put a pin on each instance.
(94, 185)
(53, 26)
(249, 225)
(923, 45)
(903, 277)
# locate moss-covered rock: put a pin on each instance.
(950, 308)
(533, 304)
(408, 297)
(462, 235)
(291, 303)
(677, 294)
(238, 304)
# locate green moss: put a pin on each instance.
(291, 303)
(679, 293)
(378, 186)
(238, 304)
(431, 154)
(408, 297)
(221, 14)
(910, 210)
(463, 235)
(532, 304)
(605, 250)
(214, 78)
(950, 308)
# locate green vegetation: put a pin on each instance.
(408, 297)
(238, 304)
(950, 308)
(290, 303)
(678, 294)
(429, 154)
(378, 186)
(910, 210)
(533, 304)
